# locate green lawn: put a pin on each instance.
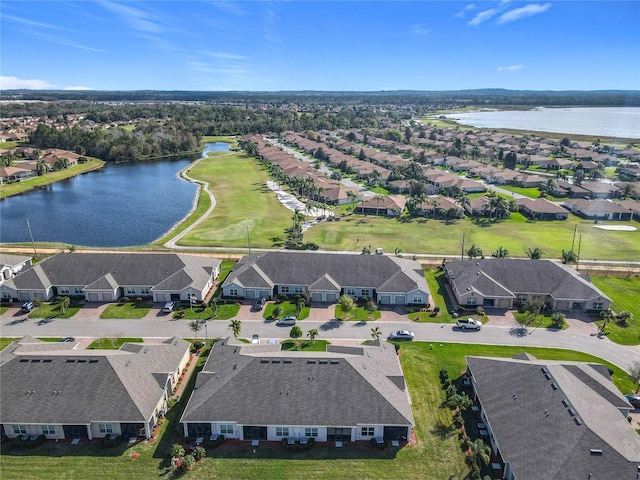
(246, 210)
(625, 293)
(126, 310)
(359, 314)
(4, 341)
(439, 298)
(289, 309)
(51, 310)
(10, 189)
(225, 312)
(306, 345)
(435, 456)
(3, 309)
(112, 343)
(541, 320)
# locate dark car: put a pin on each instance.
(259, 303)
(67, 339)
(401, 335)
(28, 306)
(634, 399)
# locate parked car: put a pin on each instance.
(27, 307)
(634, 399)
(255, 338)
(259, 303)
(67, 339)
(286, 321)
(169, 307)
(401, 335)
(465, 323)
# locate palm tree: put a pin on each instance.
(63, 304)
(375, 333)
(534, 253)
(378, 198)
(474, 251)
(37, 303)
(300, 305)
(195, 326)
(500, 253)
(235, 326)
(312, 334)
(606, 316)
(352, 196)
(479, 453)
(569, 256)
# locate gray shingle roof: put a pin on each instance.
(340, 387)
(99, 385)
(532, 406)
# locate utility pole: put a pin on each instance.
(462, 251)
(35, 253)
(573, 242)
(579, 247)
(248, 240)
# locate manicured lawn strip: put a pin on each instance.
(225, 312)
(436, 455)
(436, 236)
(51, 310)
(439, 298)
(359, 314)
(10, 189)
(126, 310)
(112, 343)
(625, 292)
(50, 339)
(289, 309)
(541, 321)
(246, 210)
(3, 309)
(306, 345)
(4, 341)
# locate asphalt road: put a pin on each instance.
(430, 332)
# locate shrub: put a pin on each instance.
(199, 453)
(558, 319)
(198, 345)
(451, 390)
(436, 309)
(139, 299)
(281, 298)
(444, 376)
(177, 450)
(187, 462)
(125, 300)
(480, 310)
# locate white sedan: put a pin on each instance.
(401, 335)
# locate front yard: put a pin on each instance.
(126, 310)
(625, 293)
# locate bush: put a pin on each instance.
(125, 300)
(187, 462)
(444, 376)
(436, 309)
(177, 450)
(281, 298)
(138, 299)
(480, 310)
(199, 453)
(198, 345)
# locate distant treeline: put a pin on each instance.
(437, 99)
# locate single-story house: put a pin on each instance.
(541, 209)
(12, 265)
(598, 209)
(554, 419)
(257, 392)
(600, 189)
(633, 206)
(324, 277)
(61, 392)
(105, 277)
(437, 206)
(503, 282)
(387, 205)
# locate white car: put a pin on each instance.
(465, 323)
(401, 335)
(255, 338)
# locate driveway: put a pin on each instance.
(578, 322)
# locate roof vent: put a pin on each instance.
(546, 413)
(572, 412)
(515, 397)
(554, 386)
(24, 360)
(565, 402)
(596, 451)
(578, 420)
(48, 360)
(286, 361)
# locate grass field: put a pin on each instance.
(51, 310)
(4, 341)
(289, 309)
(126, 310)
(112, 343)
(436, 455)
(9, 189)
(358, 314)
(625, 293)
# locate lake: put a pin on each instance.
(619, 122)
(121, 205)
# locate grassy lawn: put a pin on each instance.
(541, 320)
(289, 309)
(126, 310)
(3, 309)
(625, 293)
(4, 341)
(225, 312)
(359, 314)
(244, 205)
(439, 298)
(51, 310)
(9, 189)
(436, 455)
(306, 345)
(112, 343)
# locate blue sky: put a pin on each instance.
(331, 45)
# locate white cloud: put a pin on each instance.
(14, 83)
(231, 56)
(483, 16)
(463, 12)
(419, 30)
(138, 19)
(511, 68)
(523, 12)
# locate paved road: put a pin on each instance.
(165, 326)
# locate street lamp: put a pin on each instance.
(206, 333)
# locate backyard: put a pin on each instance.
(436, 454)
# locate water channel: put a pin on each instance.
(121, 205)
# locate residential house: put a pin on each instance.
(258, 392)
(12, 265)
(505, 282)
(633, 206)
(541, 209)
(105, 277)
(600, 189)
(324, 277)
(598, 209)
(62, 392)
(386, 205)
(566, 189)
(438, 207)
(554, 419)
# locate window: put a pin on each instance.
(297, 289)
(131, 291)
(311, 432)
(226, 429)
(145, 291)
(20, 429)
(284, 289)
(472, 301)
(233, 292)
(597, 305)
(368, 431)
(351, 292)
(417, 299)
(522, 298)
(48, 430)
(6, 294)
(63, 290)
(105, 428)
(77, 290)
(366, 292)
(282, 431)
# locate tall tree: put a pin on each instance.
(235, 326)
(195, 326)
(474, 251)
(312, 334)
(63, 304)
